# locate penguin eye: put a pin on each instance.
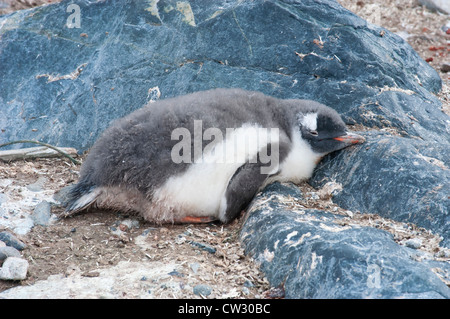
(313, 133)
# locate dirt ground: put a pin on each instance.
(99, 239)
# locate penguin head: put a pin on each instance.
(324, 130)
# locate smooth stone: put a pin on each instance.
(42, 214)
(8, 251)
(203, 290)
(14, 268)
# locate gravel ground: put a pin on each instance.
(89, 243)
(420, 27)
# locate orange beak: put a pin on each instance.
(350, 138)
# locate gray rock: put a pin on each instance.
(72, 86)
(398, 178)
(202, 290)
(203, 246)
(7, 251)
(313, 255)
(445, 67)
(194, 267)
(11, 240)
(14, 268)
(42, 214)
(439, 5)
(414, 243)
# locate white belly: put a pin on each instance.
(201, 189)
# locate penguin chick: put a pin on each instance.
(203, 156)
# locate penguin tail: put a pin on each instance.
(79, 197)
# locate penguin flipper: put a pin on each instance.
(246, 182)
(242, 187)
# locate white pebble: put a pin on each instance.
(14, 268)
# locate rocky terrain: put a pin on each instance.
(106, 254)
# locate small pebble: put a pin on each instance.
(42, 213)
(176, 273)
(349, 213)
(7, 251)
(314, 196)
(205, 247)
(14, 268)
(148, 231)
(117, 231)
(180, 239)
(445, 67)
(249, 284)
(91, 274)
(11, 240)
(194, 267)
(414, 243)
(203, 290)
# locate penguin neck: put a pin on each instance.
(299, 163)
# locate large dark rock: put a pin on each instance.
(311, 255)
(64, 85)
(402, 179)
